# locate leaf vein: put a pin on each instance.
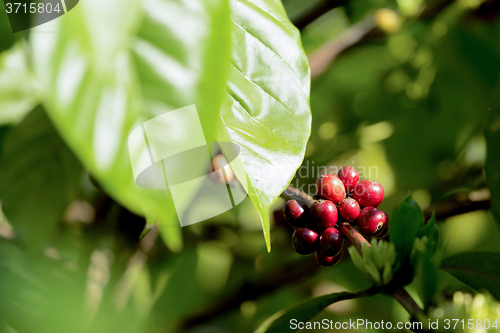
(266, 92)
(269, 48)
(255, 120)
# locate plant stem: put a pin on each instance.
(460, 203)
(291, 193)
(353, 236)
(401, 295)
(321, 59)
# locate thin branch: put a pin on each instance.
(291, 193)
(321, 59)
(316, 11)
(401, 295)
(460, 203)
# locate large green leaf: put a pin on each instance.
(39, 177)
(404, 225)
(284, 320)
(479, 270)
(109, 66)
(266, 109)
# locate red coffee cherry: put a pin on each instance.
(349, 177)
(349, 209)
(371, 221)
(327, 261)
(368, 193)
(305, 241)
(296, 213)
(324, 213)
(331, 188)
(330, 242)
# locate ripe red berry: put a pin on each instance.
(296, 213)
(349, 177)
(368, 193)
(330, 242)
(305, 241)
(349, 209)
(371, 221)
(331, 188)
(327, 261)
(324, 213)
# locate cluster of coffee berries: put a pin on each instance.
(341, 198)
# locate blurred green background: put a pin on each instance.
(410, 99)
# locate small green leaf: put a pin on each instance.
(479, 270)
(378, 255)
(266, 110)
(376, 261)
(387, 274)
(355, 257)
(373, 272)
(405, 224)
(282, 321)
(366, 252)
(431, 231)
(39, 176)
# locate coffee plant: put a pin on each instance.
(330, 165)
